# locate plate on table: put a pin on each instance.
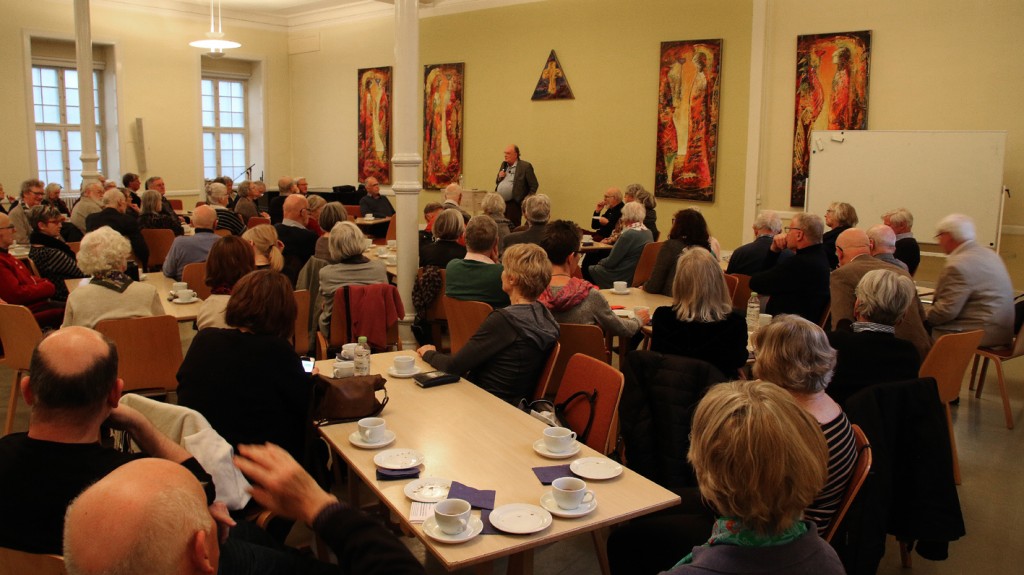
(595, 468)
(428, 489)
(520, 518)
(623, 292)
(180, 301)
(355, 439)
(393, 373)
(474, 528)
(547, 501)
(398, 459)
(542, 449)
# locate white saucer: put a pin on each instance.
(434, 532)
(357, 440)
(428, 489)
(393, 373)
(520, 518)
(547, 501)
(595, 468)
(186, 302)
(542, 449)
(617, 292)
(398, 459)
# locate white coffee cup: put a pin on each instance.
(369, 243)
(570, 492)
(344, 369)
(178, 286)
(588, 239)
(391, 260)
(559, 439)
(368, 217)
(372, 429)
(620, 286)
(452, 515)
(392, 245)
(185, 295)
(404, 364)
(382, 252)
(348, 351)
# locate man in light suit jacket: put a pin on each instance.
(974, 290)
(515, 181)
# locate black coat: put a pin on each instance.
(125, 225)
(797, 285)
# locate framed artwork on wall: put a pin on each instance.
(688, 96)
(375, 124)
(552, 84)
(442, 124)
(831, 94)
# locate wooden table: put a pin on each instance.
(372, 255)
(162, 283)
(471, 436)
(363, 222)
(637, 297)
(597, 247)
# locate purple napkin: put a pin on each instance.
(485, 516)
(479, 498)
(551, 473)
(389, 474)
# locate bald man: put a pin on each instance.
(299, 242)
(611, 203)
(376, 204)
(195, 248)
(882, 240)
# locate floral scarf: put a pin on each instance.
(731, 532)
(569, 296)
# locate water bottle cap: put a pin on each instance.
(362, 339)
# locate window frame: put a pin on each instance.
(218, 131)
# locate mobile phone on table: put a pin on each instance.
(307, 363)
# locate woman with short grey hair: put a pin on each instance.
(494, 206)
(346, 244)
(330, 215)
(248, 193)
(153, 217)
(621, 262)
(448, 229)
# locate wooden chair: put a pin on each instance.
(584, 373)
(19, 334)
(998, 356)
(301, 337)
(464, 318)
(742, 294)
(148, 351)
(75, 246)
(545, 373)
(860, 473)
(256, 221)
(159, 243)
(436, 314)
(733, 283)
(353, 212)
(32, 267)
(947, 362)
(646, 263)
(341, 324)
(194, 275)
(578, 338)
(176, 204)
(391, 234)
(18, 563)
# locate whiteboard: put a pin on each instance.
(931, 173)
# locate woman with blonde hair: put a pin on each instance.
(839, 217)
(266, 246)
(701, 322)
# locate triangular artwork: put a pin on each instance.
(552, 85)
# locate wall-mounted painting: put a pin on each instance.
(552, 84)
(375, 124)
(442, 124)
(688, 95)
(831, 94)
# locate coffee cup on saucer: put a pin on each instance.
(368, 217)
(404, 364)
(348, 351)
(185, 295)
(570, 492)
(343, 369)
(392, 245)
(559, 439)
(588, 240)
(620, 287)
(382, 252)
(178, 286)
(372, 429)
(452, 515)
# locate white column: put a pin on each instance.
(407, 164)
(754, 181)
(83, 46)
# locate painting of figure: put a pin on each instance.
(442, 124)
(831, 94)
(552, 84)
(688, 96)
(375, 124)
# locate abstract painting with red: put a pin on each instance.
(442, 124)
(375, 124)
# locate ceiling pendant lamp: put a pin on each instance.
(215, 42)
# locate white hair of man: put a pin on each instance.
(454, 193)
(633, 212)
(217, 193)
(112, 198)
(768, 220)
(93, 190)
(883, 296)
(958, 226)
(537, 208)
(883, 239)
(900, 217)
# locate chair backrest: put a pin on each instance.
(947, 361)
(32, 267)
(148, 351)
(75, 246)
(733, 283)
(194, 275)
(577, 338)
(646, 263)
(18, 562)
(587, 374)
(301, 337)
(860, 473)
(437, 311)
(159, 243)
(392, 228)
(19, 334)
(544, 380)
(176, 204)
(464, 318)
(353, 212)
(741, 296)
(341, 324)
(256, 221)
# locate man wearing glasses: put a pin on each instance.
(604, 224)
(800, 284)
(31, 195)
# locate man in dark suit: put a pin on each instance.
(299, 243)
(748, 259)
(907, 251)
(112, 214)
(285, 187)
(798, 285)
(604, 224)
(515, 182)
(538, 211)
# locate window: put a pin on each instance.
(58, 124)
(224, 127)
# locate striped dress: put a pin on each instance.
(842, 457)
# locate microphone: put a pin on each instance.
(504, 167)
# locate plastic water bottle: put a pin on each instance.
(362, 357)
(753, 312)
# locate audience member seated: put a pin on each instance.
(192, 249)
(112, 215)
(217, 195)
(229, 260)
(477, 277)
(637, 193)
(31, 196)
(575, 300)
(52, 256)
(132, 183)
(907, 251)
(839, 217)
(974, 289)
(508, 351)
(794, 354)
(688, 229)
(19, 287)
(353, 268)
(89, 203)
(494, 207)
(248, 194)
(537, 211)
(620, 264)
(701, 322)
(430, 213)
(759, 461)
(266, 247)
(376, 204)
(798, 284)
(748, 259)
(51, 197)
(110, 294)
(299, 243)
(604, 224)
(285, 188)
(448, 230)
(157, 183)
(152, 216)
(453, 200)
(331, 214)
(882, 240)
(868, 351)
(316, 205)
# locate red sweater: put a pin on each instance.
(17, 284)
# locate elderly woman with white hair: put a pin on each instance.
(218, 197)
(248, 193)
(353, 268)
(110, 294)
(448, 229)
(621, 262)
(494, 206)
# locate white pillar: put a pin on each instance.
(83, 46)
(407, 164)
